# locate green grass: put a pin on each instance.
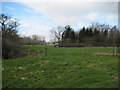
(62, 68)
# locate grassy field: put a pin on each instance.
(84, 67)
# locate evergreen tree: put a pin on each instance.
(72, 36)
(66, 36)
(82, 34)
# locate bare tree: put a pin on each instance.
(56, 33)
(34, 37)
(99, 26)
(38, 38)
(10, 37)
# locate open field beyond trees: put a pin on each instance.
(83, 67)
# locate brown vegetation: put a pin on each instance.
(105, 53)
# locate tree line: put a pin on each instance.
(94, 35)
(33, 40)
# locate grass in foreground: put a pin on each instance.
(62, 68)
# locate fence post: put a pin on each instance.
(114, 51)
(45, 51)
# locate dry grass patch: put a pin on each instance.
(116, 79)
(22, 78)
(105, 53)
(19, 68)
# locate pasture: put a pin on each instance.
(79, 67)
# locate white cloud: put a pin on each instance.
(92, 17)
(28, 10)
(9, 8)
(77, 14)
(33, 26)
(71, 13)
(113, 19)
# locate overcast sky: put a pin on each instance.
(40, 17)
